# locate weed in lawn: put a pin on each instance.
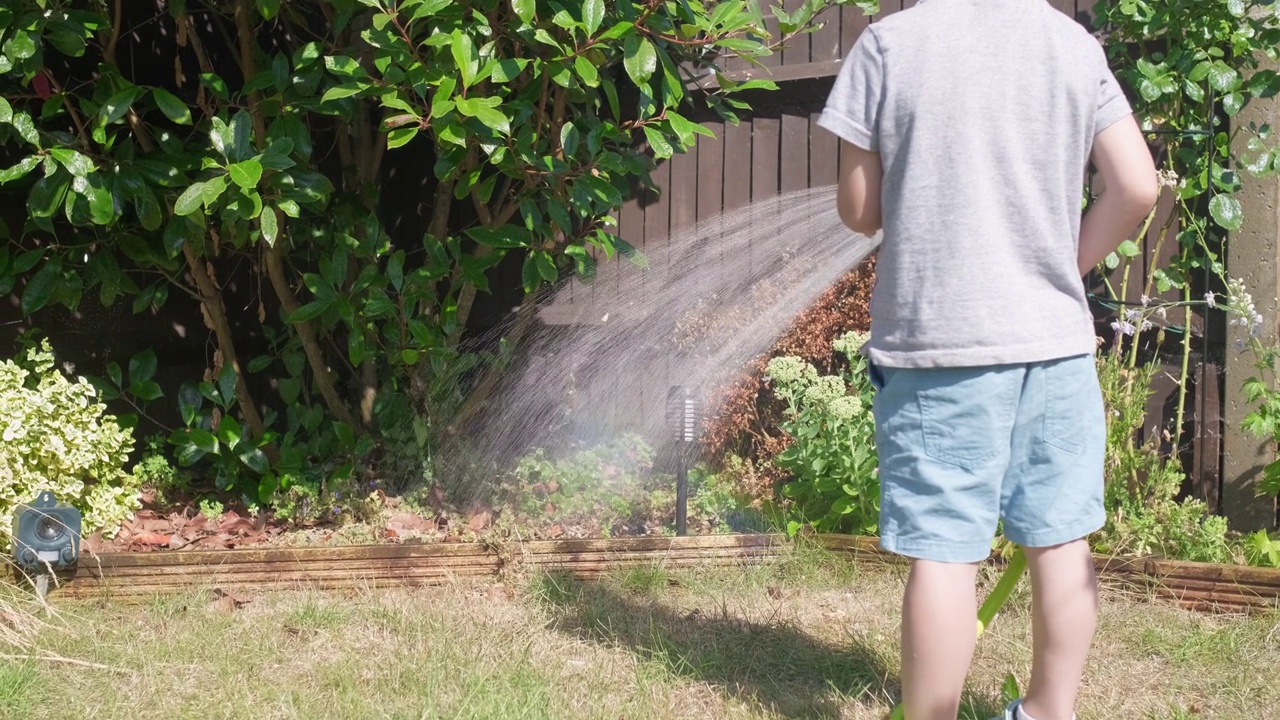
(644, 580)
(19, 687)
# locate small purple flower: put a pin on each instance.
(1131, 315)
(1146, 325)
(1122, 327)
(337, 496)
(1146, 300)
(1210, 300)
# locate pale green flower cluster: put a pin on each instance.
(850, 343)
(825, 390)
(846, 408)
(791, 370)
(56, 437)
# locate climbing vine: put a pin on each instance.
(1193, 66)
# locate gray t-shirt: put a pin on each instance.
(984, 114)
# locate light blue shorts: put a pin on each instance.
(961, 448)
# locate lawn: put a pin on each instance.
(807, 637)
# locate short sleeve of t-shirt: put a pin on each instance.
(853, 107)
(1113, 106)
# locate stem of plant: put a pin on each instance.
(996, 599)
(1186, 366)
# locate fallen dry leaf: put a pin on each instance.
(410, 522)
(150, 538)
(480, 521)
(555, 531)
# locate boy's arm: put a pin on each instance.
(1129, 191)
(858, 194)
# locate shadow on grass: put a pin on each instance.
(780, 667)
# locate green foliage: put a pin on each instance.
(615, 489)
(156, 473)
(58, 437)
(1144, 516)
(832, 458)
(532, 122)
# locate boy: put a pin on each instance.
(972, 123)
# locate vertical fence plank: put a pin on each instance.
(737, 164)
(794, 159)
(824, 43)
(797, 50)
(765, 136)
(711, 172)
(824, 154)
(852, 22)
(684, 189)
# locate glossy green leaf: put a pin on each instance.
(75, 163)
(117, 105)
(20, 170)
(212, 190)
(270, 227)
(401, 136)
(246, 174)
(20, 46)
(592, 15)
(1233, 103)
(26, 128)
(146, 390)
(525, 9)
(189, 402)
(172, 107)
(586, 71)
(640, 59)
(1227, 212)
(6, 111)
(203, 440)
(253, 458)
(48, 194)
(658, 142)
(464, 54)
(1223, 77)
(190, 200)
(40, 288)
(143, 366)
(1129, 249)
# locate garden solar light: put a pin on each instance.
(682, 418)
(46, 539)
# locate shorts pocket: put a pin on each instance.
(966, 416)
(1072, 403)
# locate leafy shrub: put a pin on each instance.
(742, 437)
(57, 437)
(1144, 516)
(615, 489)
(832, 458)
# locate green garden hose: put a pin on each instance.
(991, 606)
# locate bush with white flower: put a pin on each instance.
(832, 456)
(56, 436)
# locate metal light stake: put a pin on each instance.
(682, 417)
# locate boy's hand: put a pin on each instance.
(1130, 189)
(858, 194)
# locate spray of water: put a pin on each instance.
(604, 357)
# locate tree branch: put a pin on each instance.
(274, 252)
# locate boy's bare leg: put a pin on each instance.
(938, 616)
(1064, 615)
